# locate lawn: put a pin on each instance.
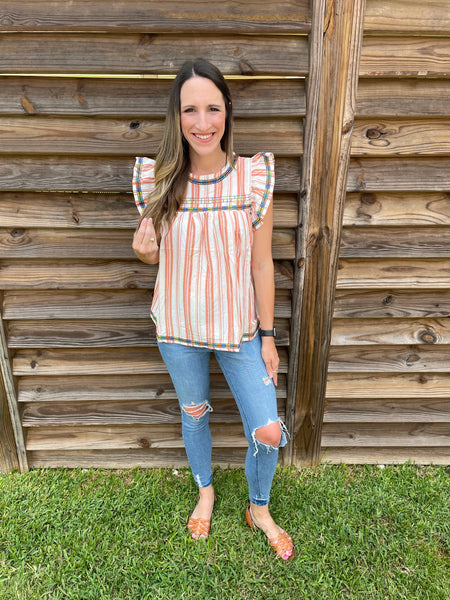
(361, 532)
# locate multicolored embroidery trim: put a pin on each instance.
(266, 193)
(215, 208)
(139, 193)
(215, 179)
(209, 345)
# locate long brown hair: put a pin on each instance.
(172, 160)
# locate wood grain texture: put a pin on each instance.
(200, 16)
(399, 174)
(403, 98)
(402, 208)
(98, 333)
(69, 210)
(390, 331)
(405, 56)
(407, 17)
(72, 96)
(385, 455)
(387, 410)
(151, 53)
(57, 243)
(114, 137)
(362, 273)
(396, 242)
(392, 303)
(97, 388)
(98, 174)
(406, 435)
(12, 442)
(421, 137)
(67, 274)
(390, 358)
(99, 210)
(8, 451)
(129, 458)
(388, 385)
(335, 52)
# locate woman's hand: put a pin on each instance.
(145, 243)
(270, 357)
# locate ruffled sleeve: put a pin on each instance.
(263, 180)
(143, 180)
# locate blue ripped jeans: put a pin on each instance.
(254, 393)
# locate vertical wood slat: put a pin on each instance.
(7, 383)
(335, 48)
(8, 453)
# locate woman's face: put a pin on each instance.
(203, 117)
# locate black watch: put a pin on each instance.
(268, 332)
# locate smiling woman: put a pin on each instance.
(207, 218)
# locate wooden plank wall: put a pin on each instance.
(91, 387)
(388, 388)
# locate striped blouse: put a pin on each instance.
(204, 294)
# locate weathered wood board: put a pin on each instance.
(151, 53)
(199, 16)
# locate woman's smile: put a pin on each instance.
(204, 136)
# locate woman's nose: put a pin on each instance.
(202, 121)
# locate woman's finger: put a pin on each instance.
(272, 368)
(139, 235)
(273, 372)
(145, 236)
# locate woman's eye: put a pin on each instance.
(188, 110)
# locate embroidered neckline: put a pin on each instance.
(215, 178)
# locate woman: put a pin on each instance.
(206, 217)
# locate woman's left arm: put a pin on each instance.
(263, 279)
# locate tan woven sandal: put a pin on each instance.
(199, 528)
(282, 545)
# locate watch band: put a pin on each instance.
(268, 332)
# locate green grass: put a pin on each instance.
(360, 533)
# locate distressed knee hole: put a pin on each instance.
(269, 434)
(197, 411)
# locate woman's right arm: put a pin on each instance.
(145, 243)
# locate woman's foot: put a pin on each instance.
(200, 521)
(259, 517)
